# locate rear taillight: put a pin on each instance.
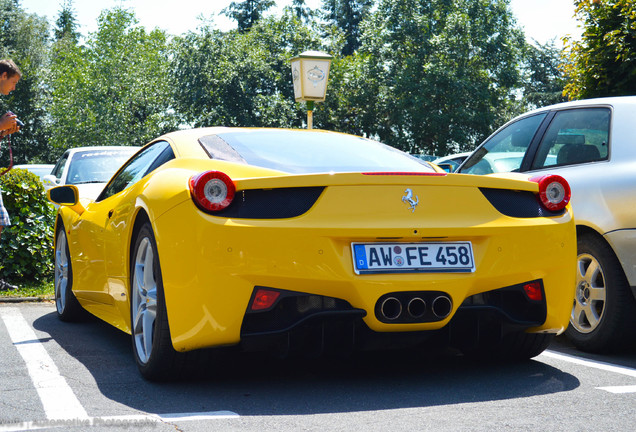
(212, 190)
(554, 191)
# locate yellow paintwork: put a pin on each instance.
(211, 264)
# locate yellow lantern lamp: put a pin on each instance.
(310, 74)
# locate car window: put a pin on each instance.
(135, 169)
(59, 166)
(305, 152)
(573, 137)
(504, 151)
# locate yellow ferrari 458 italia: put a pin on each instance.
(309, 242)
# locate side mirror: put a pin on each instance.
(64, 195)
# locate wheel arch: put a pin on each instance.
(140, 219)
(58, 223)
(583, 230)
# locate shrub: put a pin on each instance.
(26, 247)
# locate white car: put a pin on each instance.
(88, 168)
(39, 170)
(591, 144)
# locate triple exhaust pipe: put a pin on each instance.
(414, 307)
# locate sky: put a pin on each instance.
(542, 20)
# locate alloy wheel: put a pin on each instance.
(590, 296)
(61, 272)
(144, 300)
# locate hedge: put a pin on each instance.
(26, 246)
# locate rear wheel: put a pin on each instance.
(514, 346)
(604, 308)
(68, 308)
(523, 346)
(152, 345)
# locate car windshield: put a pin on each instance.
(303, 152)
(504, 151)
(96, 166)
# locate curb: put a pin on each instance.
(24, 299)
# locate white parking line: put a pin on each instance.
(60, 404)
(591, 363)
(58, 399)
(619, 389)
(598, 365)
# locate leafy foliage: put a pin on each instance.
(301, 11)
(113, 90)
(66, 23)
(347, 16)
(24, 39)
(442, 71)
(544, 81)
(247, 12)
(603, 62)
(240, 79)
(26, 248)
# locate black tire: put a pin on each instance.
(66, 304)
(603, 317)
(523, 346)
(152, 346)
(513, 347)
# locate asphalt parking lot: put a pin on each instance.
(59, 376)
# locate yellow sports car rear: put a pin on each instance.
(299, 241)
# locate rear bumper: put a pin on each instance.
(211, 267)
(316, 325)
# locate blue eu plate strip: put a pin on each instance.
(361, 257)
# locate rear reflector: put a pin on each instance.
(533, 291)
(264, 299)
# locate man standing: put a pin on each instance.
(10, 74)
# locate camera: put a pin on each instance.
(17, 120)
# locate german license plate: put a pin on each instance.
(442, 257)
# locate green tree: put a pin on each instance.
(442, 72)
(113, 90)
(240, 79)
(603, 62)
(247, 12)
(544, 82)
(347, 15)
(66, 23)
(301, 11)
(24, 39)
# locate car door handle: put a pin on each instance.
(110, 213)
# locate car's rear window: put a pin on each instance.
(303, 152)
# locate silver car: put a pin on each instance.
(592, 143)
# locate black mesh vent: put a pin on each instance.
(520, 204)
(277, 203)
(293, 308)
(512, 303)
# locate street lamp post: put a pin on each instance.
(310, 73)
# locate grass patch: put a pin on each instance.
(31, 289)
